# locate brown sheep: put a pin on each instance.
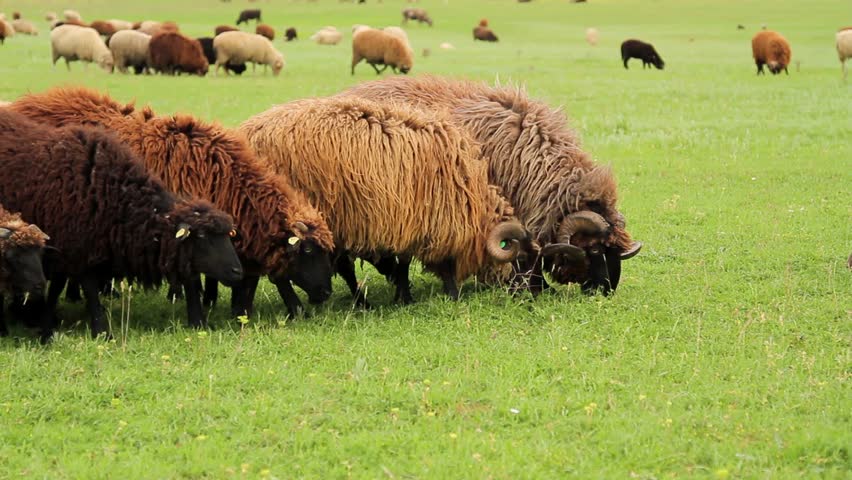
(381, 48)
(266, 31)
(771, 49)
(172, 53)
(21, 247)
(224, 28)
(246, 15)
(416, 14)
(536, 159)
(391, 179)
(6, 30)
(216, 164)
(104, 28)
(484, 33)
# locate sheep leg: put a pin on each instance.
(346, 268)
(785, 71)
(291, 300)
(355, 60)
(447, 273)
(194, 312)
(175, 292)
(249, 290)
(403, 285)
(759, 67)
(211, 291)
(625, 59)
(91, 291)
(67, 64)
(72, 291)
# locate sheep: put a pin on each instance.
(130, 49)
(381, 48)
(79, 43)
(16, 15)
(391, 179)
(152, 28)
(107, 216)
(21, 248)
(327, 36)
(265, 30)
(51, 17)
(210, 54)
(592, 36)
(72, 15)
(280, 233)
(633, 48)
(537, 160)
(416, 14)
(6, 30)
(398, 32)
(173, 53)
(290, 34)
(483, 33)
(104, 28)
(224, 28)
(247, 15)
(119, 25)
(771, 49)
(446, 46)
(24, 26)
(242, 47)
(844, 49)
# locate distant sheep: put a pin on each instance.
(247, 15)
(844, 48)
(265, 30)
(290, 34)
(16, 15)
(592, 36)
(210, 53)
(243, 47)
(771, 49)
(633, 48)
(381, 48)
(72, 15)
(25, 27)
(104, 28)
(152, 28)
(6, 30)
(79, 43)
(119, 25)
(173, 53)
(21, 271)
(224, 28)
(130, 49)
(483, 33)
(327, 36)
(417, 14)
(51, 17)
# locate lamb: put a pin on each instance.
(391, 179)
(210, 54)
(6, 30)
(247, 15)
(104, 28)
(130, 49)
(265, 30)
(771, 49)
(24, 26)
(224, 28)
(107, 216)
(844, 48)
(72, 15)
(290, 34)
(119, 25)
(416, 14)
(280, 233)
(633, 48)
(21, 248)
(537, 160)
(381, 48)
(483, 33)
(79, 43)
(173, 53)
(592, 36)
(242, 47)
(327, 36)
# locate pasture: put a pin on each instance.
(725, 353)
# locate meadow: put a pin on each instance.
(725, 353)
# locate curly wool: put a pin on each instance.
(199, 159)
(390, 179)
(24, 236)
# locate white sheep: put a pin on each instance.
(327, 36)
(24, 26)
(592, 36)
(130, 48)
(119, 25)
(844, 49)
(241, 47)
(79, 43)
(72, 16)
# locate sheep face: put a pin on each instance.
(657, 61)
(205, 236)
(105, 61)
(277, 65)
(775, 67)
(310, 269)
(24, 267)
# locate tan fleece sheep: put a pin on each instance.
(381, 48)
(242, 47)
(72, 15)
(120, 25)
(130, 48)
(592, 36)
(24, 26)
(79, 43)
(327, 36)
(152, 27)
(844, 48)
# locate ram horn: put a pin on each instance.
(632, 251)
(584, 221)
(301, 227)
(506, 234)
(572, 252)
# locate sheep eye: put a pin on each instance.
(596, 250)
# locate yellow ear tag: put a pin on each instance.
(182, 233)
(293, 240)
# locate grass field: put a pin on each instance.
(726, 352)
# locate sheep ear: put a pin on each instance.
(5, 233)
(183, 231)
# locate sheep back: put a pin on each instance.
(224, 28)
(172, 52)
(771, 49)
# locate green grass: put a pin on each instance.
(725, 353)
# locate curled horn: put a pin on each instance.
(509, 232)
(301, 227)
(5, 233)
(584, 221)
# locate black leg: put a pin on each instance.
(625, 62)
(4, 332)
(175, 292)
(447, 273)
(211, 291)
(194, 313)
(91, 289)
(291, 300)
(403, 286)
(376, 68)
(249, 289)
(346, 269)
(72, 291)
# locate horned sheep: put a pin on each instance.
(381, 48)
(21, 248)
(107, 216)
(243, 47)
(79, 43)
(771, 49)
(130, 49)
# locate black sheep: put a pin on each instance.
(291, 34)
(21, 246)
(210, 53)
(644, 51)
(247, 15)
(107, 216)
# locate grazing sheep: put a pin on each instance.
(844, 48)
(242, 47)
(173, 53)
(280, 233)
(16, 15)
(391, 180)
(107, 216)
(633, 48)
(247, 15)
(446, 46)
(152, 28)
(265, 30)
(24, 26)
(771, 49)
(104, 28)
(327, 36)
(290, 34)
(79, 43)
(483, 33)
(210, 54)
(416, 14)
(21, 247)
(6, 30)
(130, 49)
(72, 16)
(51, 17)
(537, 160)
(224, 28)
(381, 48)
(592, 36)
(119, 25)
